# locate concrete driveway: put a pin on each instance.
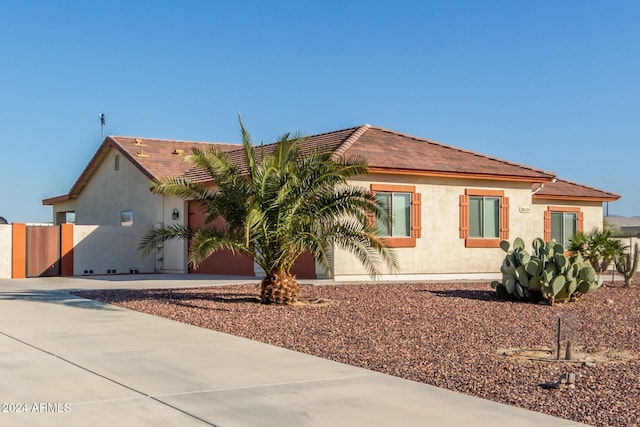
(68, 361)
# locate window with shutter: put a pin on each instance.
(484, 218)
(562, 223)
(403, 207)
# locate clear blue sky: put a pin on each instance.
(551, 84)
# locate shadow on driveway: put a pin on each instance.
(57, 296)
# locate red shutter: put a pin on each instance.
(416, 221)
(504, 217)
(547, 226)
(464, 216)
(580, 222)
(371, 214)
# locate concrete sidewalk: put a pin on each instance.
(67, 361)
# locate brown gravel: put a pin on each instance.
(446, 334)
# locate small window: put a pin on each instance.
(563, 227)
(562, 223)
(402, 204)
(116, 162)
(398, 208)
(484, 218)
(126, 218)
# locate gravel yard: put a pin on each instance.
(452, 335)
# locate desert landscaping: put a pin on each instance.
(452, 335)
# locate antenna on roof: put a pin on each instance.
(102, 122)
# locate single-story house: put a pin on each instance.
(451, 207)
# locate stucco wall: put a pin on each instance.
(110, 192)
(440, 253)
(109, 247)
(5, 251)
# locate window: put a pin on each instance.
(562, 223)
(126, 218)
(402, 205)
(484, 218)
(398, 208)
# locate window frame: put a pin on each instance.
(414, 214)
(563, 210)
(126, 218)
(465, 216)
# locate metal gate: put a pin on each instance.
(43, 251)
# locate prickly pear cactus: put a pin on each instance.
(546, 274)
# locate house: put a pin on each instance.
(451, 207)
(625, 226)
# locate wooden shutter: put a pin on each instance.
(580, 224)
(416, 221)
(547, 226)
(464, 216)
(504, 218)
(371, 213)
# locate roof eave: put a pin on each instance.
(57, 199)
(461, 175)
(611, 198)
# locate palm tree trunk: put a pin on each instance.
(279, 287)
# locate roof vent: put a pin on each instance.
(138, 142)
(178, 152)
(141, 153)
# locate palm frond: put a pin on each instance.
(154, 238)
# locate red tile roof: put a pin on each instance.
(156, 158)
(330, 141)
(394, 151)
(386, 152)
(566, 190)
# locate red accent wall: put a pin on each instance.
(222, 261)
(305, 267)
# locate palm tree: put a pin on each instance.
(277, 203)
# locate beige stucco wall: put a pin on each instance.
(99, 248)
(440, 253)
(110, 191)
(5, 251)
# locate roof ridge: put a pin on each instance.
(462, 150)
(349, 141)
(171, 140)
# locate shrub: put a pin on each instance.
(547, 274)
(599, 248)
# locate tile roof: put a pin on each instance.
(386, 152)
(156, 158)
(329, 141)
(386, 149)
(562, 189)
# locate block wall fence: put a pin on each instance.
(83, 250)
